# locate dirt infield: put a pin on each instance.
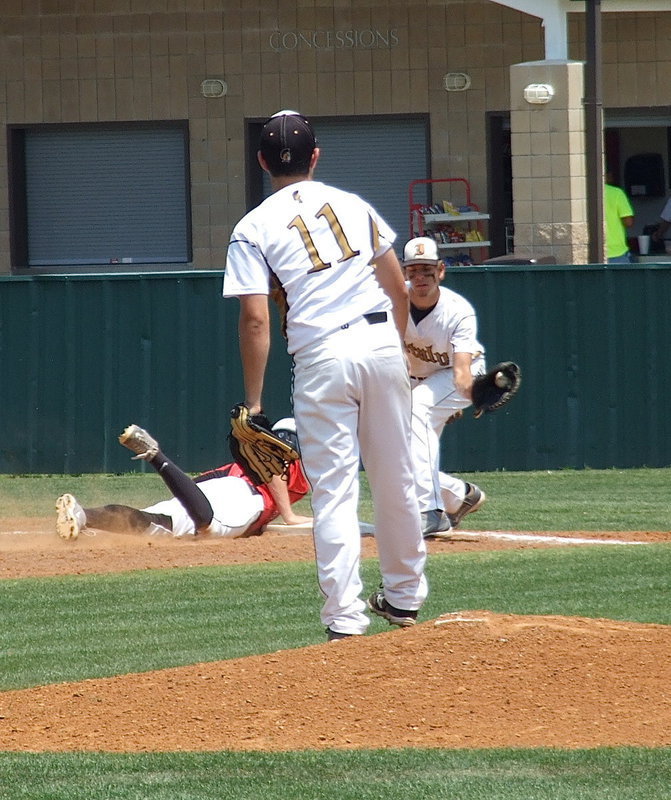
(469, 679)
(30, 548)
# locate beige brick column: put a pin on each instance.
(548, 162)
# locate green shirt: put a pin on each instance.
(616, 205)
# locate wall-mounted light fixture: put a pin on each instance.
(213, 87)
(538, 93)
(456, 82)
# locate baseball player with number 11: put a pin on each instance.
(326, 256)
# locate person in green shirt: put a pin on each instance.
(619, 216)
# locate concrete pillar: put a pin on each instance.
(548, 162)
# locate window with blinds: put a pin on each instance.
(96, 194)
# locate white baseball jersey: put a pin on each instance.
(317, 244)
(450, 328)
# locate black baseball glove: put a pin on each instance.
(495, 388)
(256, 448)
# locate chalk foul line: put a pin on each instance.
(538, 537)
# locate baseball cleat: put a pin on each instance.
(70, 518)
(336, 636)
(475, 497)
(435, 524)
(140, 442)
(394, 616)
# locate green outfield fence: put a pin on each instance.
(81, 356)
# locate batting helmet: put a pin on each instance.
(285, 429)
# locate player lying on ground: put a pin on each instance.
(221, 502)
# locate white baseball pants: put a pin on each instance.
(234, 503)
(352, 401)
(434, 400)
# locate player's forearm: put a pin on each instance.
(254, 355)
(390, 277)
(280, 493)
(400, 313)
(463, 378)
(254, 331)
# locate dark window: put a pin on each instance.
(99, 194)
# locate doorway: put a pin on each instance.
(499, 184)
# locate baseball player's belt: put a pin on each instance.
(374, 318)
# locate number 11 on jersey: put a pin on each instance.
(336, 229)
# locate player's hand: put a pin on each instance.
(295, 519)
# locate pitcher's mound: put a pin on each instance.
(468, 679)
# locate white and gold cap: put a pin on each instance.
(421, 250)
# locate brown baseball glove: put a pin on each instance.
(256, 448)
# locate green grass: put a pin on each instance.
(569, 500)
(34, 495)
(72, 628)
(590, 500)
(622, 774)
(60, 629)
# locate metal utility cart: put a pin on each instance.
(456, 224)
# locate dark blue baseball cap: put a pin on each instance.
(287, 143)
